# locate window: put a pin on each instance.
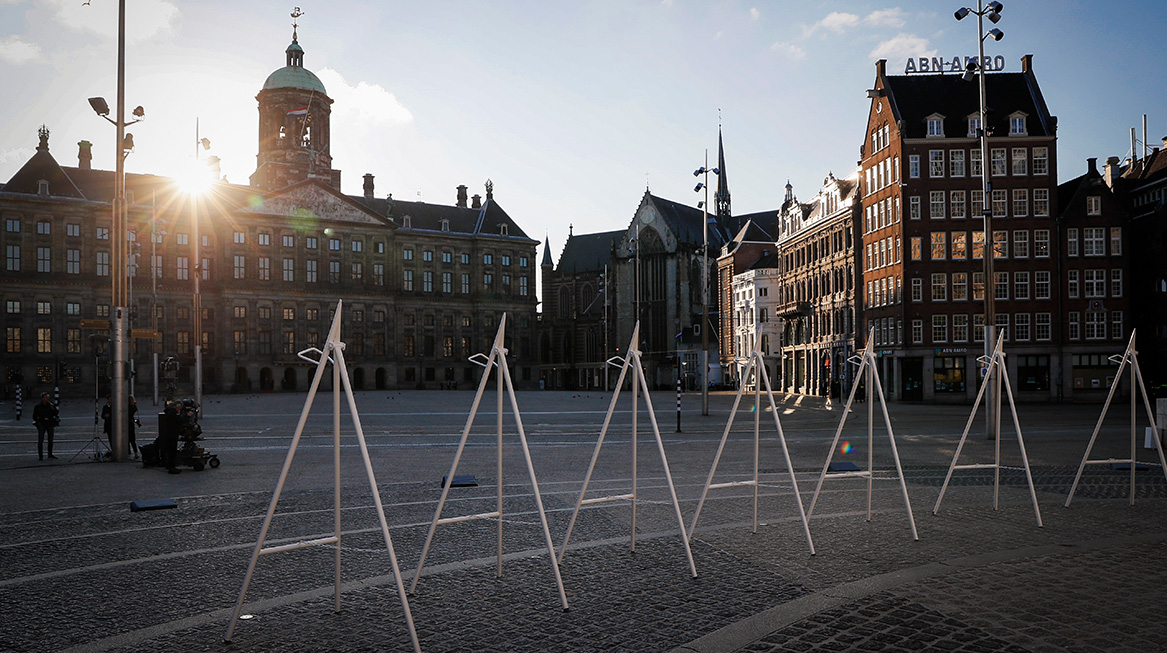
(334, 271)
(43, 259)
(1000, 244)
(1072, 283)
(310, 271)
(378, 274)
(102, 264)
(447, 282)
(974, 126)
(103, 310)
(1020, 162)
(1071, 242)
(427, 281)
(935, 127)
(289, 313)
(310, 242)
(487, 259)
(1041, 243)
(1020, 202)
(182, 268)
(939, 247)
(524, 290)
(523, 261)
(1116, 325)
(1094, 205)
(1001, 285)
(974, 163)
(977, 201)
(936, 163)
(407, 280)
(73, 230)
(12, 258)
(1041, 284)
(914, 166)
(1116, 241)
(939, 287)
(1021, 326)
(289, 341)
(1095, 325)
(1095, 285)
(465, 284)
(357, 245)
(488, 282)
(959, 286)
(506, 259)
(238, 238)
(1116, 282)
(936, 205)
(917, 331)
(427, 255)
(465, 259)
(43, 227)
(956, 207)
(1020, 244)
(312, 314)
(1094, 241)
(1041, 160)
(103, 233)
(1017, 125)
(978, 244)
(999, 168)
(71, 308)
(264, 268)
(1000, 203)
(956, 163)
(265, 312)
(357, 271)
(917, 290)
(13, 226)
(264, 342)
(407, 254)
(264, 239)
(914, 207)
(289, 241)
(44, 308)
(44, 340)
(978, 286)
(240, 312)
(1074, 325)
(334, 244)
(447, 257)
(289, 266)
(1041, 202)
(1042, 324)
(939, 328)
(1021, 285)
(239, 268)
(916, 249)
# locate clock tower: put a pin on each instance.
(294, 116)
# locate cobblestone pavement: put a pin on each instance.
(81, 572)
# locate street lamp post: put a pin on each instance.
(119, 313)
(992, 11)
(705, 170)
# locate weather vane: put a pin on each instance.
(296, 13)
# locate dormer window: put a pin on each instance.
(1017, 125)
(445, 224)
(502, 229)
(42, 187)
(935, 126)
(974, 125)
(407, 222)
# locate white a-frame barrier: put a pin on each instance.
(758, 366)
(997, 374)
(632, 360)
(874, 388)
(333, 353)
(496, 360)
(1129, 357)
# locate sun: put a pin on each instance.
(194, 179)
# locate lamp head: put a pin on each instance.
(100, 107)
(993, 17)
(698, 171)
(698, 187)
(715, 171)
(139, 112)
(970, 71)
(206, 143)
(128, 142)
(961, 13)
(996, 34)
(996, 7)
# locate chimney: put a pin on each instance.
(1092, 166)
(1027, 63)
(476, 201)
(368, 185)
(1112, 171)
(881, 68)
(461, 196)
(84, 155)
(214, 168)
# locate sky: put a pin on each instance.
(571, 108)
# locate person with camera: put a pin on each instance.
(134, 421)
(47, 417)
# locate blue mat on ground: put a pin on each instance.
(843, 467)
(461, 481)
(152, 504)
(1127, 466)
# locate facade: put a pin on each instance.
(816, 301)
(923, 241)
(753, 241)
(424, 286)
(754, 324)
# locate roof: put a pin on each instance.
(40, 166)
(294, 77)
(1091, 182)
(685, 222)
(486, 220)
(588, 252)
(769, 260)
(916, 97)
(756, 227)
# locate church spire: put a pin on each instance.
(722, 196)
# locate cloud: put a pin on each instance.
(363, 103)
(145, 19)
(791, 50)
(16, 51)
(903, 46)
(893, 17)
(16, 155)
(755, 14)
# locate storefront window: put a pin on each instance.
(1093, 371)
(1033, 373)
(948, 374)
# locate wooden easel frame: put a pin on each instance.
(874, 388)
(757, 365)
(333, 353)
(1129, 357)
(996, 373)
(631, 361)
(496, 360)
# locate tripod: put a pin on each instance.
(95, 441)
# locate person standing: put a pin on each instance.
(46, 416)
(107, 417)
(133, 423)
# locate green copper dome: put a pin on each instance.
(294, 77)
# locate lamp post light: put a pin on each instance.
(119, 315)
(992, 11)
(704, 185)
